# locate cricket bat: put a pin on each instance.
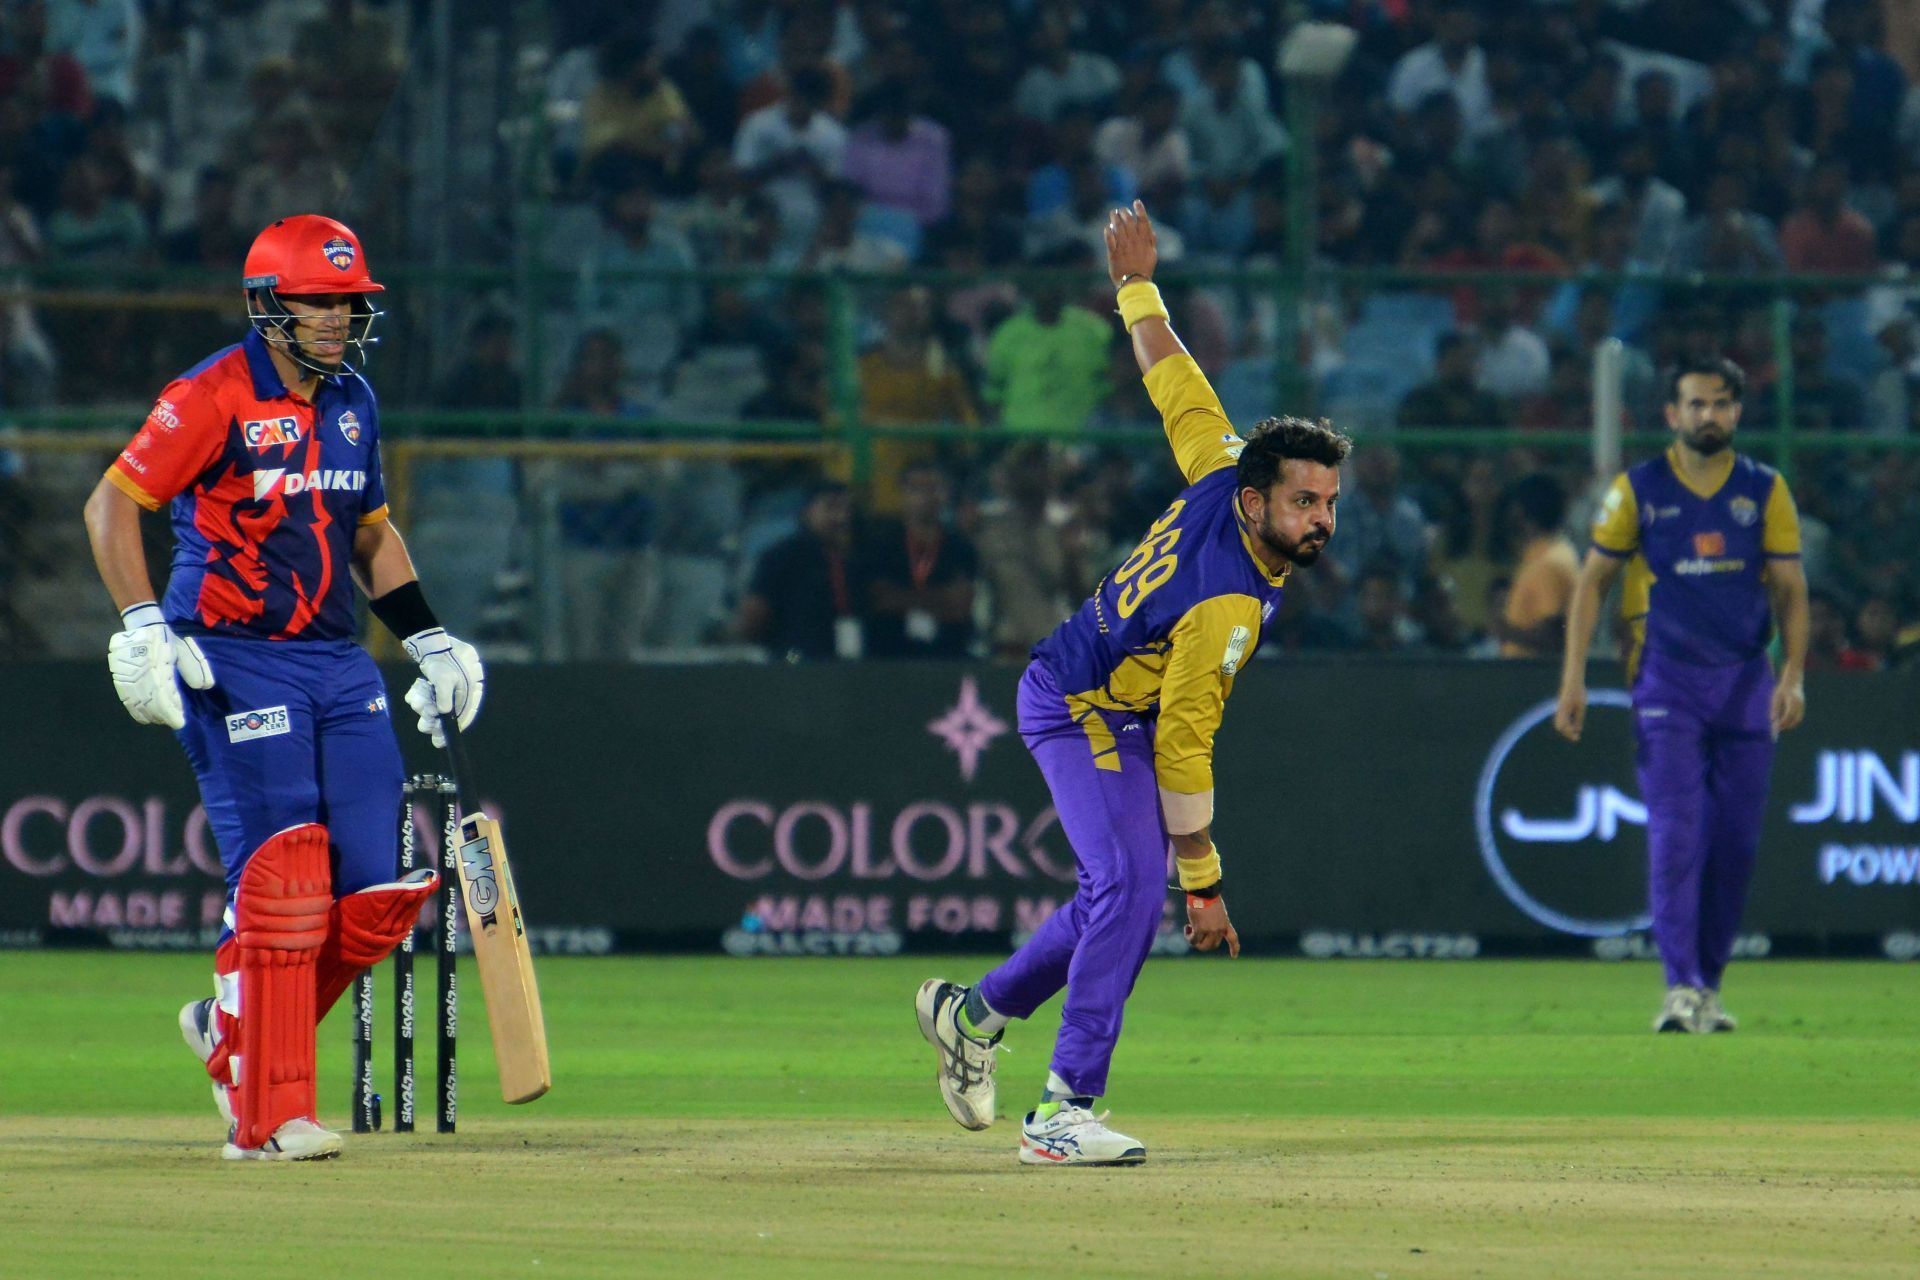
(500, 952)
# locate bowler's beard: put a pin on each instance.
(1302, 553)
(1707, 441)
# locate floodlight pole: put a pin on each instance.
(1310, 59)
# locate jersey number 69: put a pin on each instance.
(1152, 560)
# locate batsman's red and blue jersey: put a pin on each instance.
(267, 490)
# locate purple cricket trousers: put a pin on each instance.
(1108, 799)
(1705, 754)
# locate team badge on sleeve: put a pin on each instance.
(350, 427)
(339, 252)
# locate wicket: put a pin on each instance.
(429, 789)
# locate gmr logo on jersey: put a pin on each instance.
(270, 432)
(273, 482)
(1566, 848)
(267, 722)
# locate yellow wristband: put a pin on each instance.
(1198, 873)
(1139, 299)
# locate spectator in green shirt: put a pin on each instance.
(1047, 363)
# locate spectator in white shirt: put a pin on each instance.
(104, 38)
(1061, 76)
(1150, 143)
(790, 148)
(1656, 211)
(1514, 361)
(1451, 61)
(652, 315)
(1229, 124)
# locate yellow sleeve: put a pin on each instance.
(1197, 427)
(1616, 530)
(1209, 645)
(132, 489)
(1780, 537)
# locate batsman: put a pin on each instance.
(1119, 707)
(267, 455)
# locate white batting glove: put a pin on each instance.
(145, 660)
(452, 681)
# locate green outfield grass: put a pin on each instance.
(716, 1117)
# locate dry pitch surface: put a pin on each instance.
(721, 1118)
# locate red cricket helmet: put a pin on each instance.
(308, 253)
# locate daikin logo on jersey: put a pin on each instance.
(1562, 830)
(275, 483)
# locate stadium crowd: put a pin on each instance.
(1644, 167)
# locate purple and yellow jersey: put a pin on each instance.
(1165, 632)
(267, 492)
(1693, 587)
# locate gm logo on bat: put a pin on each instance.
(476, 867)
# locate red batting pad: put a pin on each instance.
(362, 930)
(280, 923)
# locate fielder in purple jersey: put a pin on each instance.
(1710, 544)
(1119, 707)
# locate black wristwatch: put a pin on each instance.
(1211, 891)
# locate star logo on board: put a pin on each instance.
(968, 728)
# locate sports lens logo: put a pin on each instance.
(267, 722)
(1569, 851)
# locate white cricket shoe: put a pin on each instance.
(1681, 1010)
(1075, 1135)
(1711, 1016)
(196, 1028)
(966, 1064)
(298, 1139)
